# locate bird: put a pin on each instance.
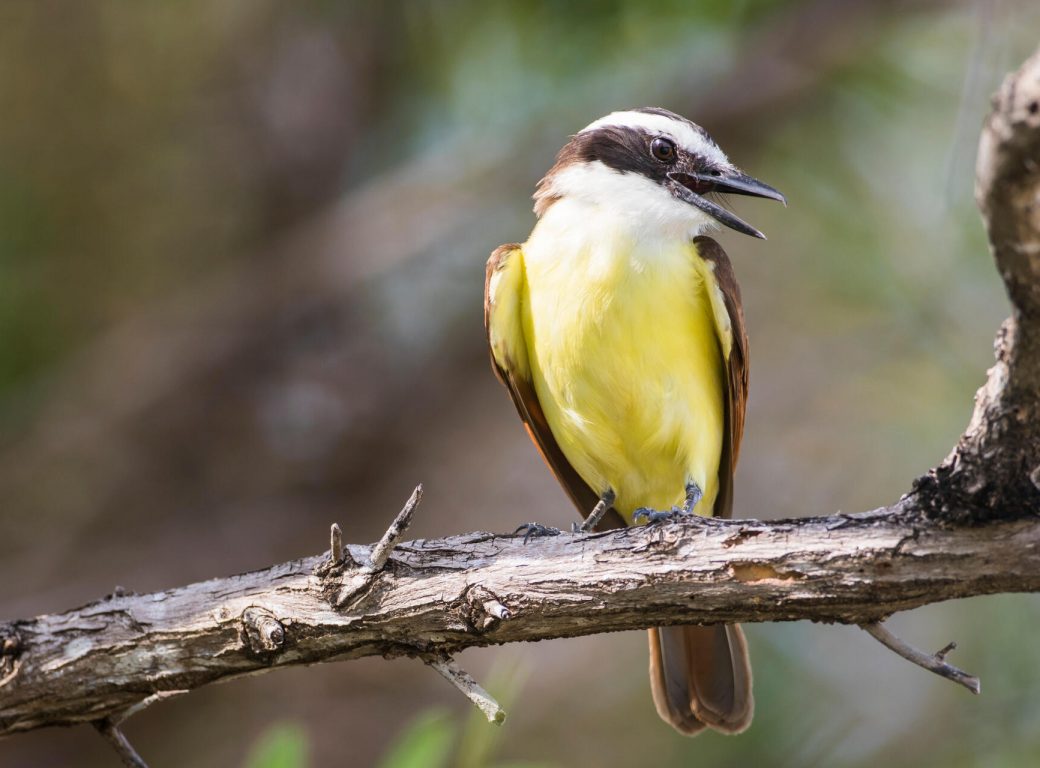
(618, 330)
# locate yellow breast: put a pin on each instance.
(626, 358)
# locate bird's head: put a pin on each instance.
(654, 167)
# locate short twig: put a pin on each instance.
(381, 551)
(497, 610)
(360, 579)
(336, 544)
(933, 663)
(470, 688)
(127, 754)
(943, 652)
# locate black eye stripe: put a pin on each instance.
(626, 149)
(623, 149)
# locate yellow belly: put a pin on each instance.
(625, 358)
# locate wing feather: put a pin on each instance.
(736, 369)
(503, 284)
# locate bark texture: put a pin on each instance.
(439, 596)
(969, 527)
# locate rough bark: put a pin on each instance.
(994, 470)
(969, 527)
(439, 596)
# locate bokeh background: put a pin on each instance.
(242, 251)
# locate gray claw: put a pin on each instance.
(536, 529)
(655, 515)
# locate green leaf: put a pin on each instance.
(282, 745)
(426, 743)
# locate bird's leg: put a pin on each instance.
(535, 530)
(693, 495)
(596, 514)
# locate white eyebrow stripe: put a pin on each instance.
(683, 134)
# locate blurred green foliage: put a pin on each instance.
(436, 738)
(426, 743)
(283, 745)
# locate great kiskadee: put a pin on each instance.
(618, 330)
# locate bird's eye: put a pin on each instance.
(663, 150)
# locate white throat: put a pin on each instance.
(593, 201)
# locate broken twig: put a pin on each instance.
(335, 545)
(381, 551)
(933, 663)
(470, 688)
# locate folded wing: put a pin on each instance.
(504, 287)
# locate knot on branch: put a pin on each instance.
(10, 653)
(264, 633)
(988, 475)
(482, 610)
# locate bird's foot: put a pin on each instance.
(535, 530)
(652, 516)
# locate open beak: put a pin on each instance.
(690, 187)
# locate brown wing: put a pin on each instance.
(521, 390)
(737, 371)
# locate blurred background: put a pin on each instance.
(242, 254)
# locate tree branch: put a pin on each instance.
(967, 528)
(932, 662)
(469, 687)
(994, 470)
(440, 596)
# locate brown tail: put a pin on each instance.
(701, 678)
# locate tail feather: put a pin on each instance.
(701, 678)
